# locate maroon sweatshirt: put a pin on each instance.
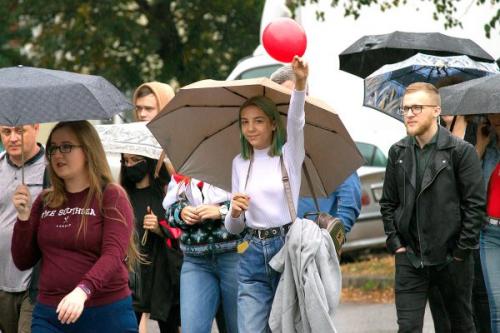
(95, 258)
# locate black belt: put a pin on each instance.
(271, 232)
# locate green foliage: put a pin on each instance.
(445, 10)
(176, 41)
(131, 41)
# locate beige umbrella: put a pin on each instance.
(199, 131)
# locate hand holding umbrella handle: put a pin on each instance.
(144, 239)
(239, 204)
(22, 202)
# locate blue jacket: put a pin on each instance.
(344, 202)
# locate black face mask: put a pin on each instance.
(137, 172)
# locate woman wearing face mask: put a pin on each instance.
(154, 291)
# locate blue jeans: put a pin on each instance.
(203, 281)
(115, 317)
(490, 254)
(257, 283)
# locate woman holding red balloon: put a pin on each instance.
(259, 200)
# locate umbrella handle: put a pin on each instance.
(144, 239)
(22, 155)
(168, 164)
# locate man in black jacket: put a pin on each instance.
(432, 206)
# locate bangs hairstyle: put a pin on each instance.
(271, 111)
(158, 184)
(99, 175)
(426, 87)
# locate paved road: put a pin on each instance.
(360, 318)
(372, 318)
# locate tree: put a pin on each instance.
(131, 41)
(445, 10)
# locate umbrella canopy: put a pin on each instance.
(37, 95)
(132, 138)
(369, 53)
(199, 130)
(384, 89)
(479, 96)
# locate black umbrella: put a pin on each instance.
(36, 95)
(369, 53)
(479, 96)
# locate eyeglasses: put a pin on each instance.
(65, 148)
(415, 109)
(131, 161)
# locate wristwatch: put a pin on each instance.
(223, 210)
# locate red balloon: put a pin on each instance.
(284, 38)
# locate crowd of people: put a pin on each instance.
(81, 252)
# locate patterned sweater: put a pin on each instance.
(208, 237)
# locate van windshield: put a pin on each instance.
(264, 71)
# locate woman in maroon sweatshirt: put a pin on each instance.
(81, 229)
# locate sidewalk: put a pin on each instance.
(358, 318)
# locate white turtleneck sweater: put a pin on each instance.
(268, 203)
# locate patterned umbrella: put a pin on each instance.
(36, 95)
(385, 87)
(31, 95)
(132, 138)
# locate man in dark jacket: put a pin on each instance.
(433, 207)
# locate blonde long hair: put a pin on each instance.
(99, 175)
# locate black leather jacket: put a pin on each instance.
(450, 206)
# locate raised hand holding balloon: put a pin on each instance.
(283, 39)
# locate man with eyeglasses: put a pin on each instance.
(15, 305)
(432, 207)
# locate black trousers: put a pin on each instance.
(171, 325)
(480, 306)
(412, 286)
